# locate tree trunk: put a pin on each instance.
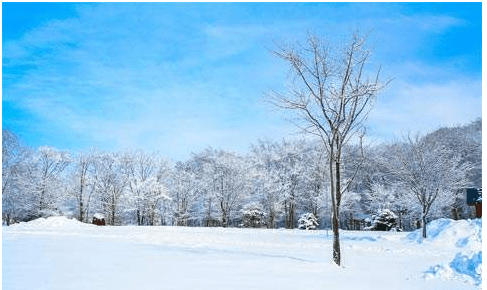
(292, 212)
(224, 215)
(81, 191)
(81, 210)
(208, 213)
(41, 202)
(400, 218)
(286, 214)
(270, 223)
(336, 221)
(113, 211)
(336, 238)
(289, 206)
(423, 220)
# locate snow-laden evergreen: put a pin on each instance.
(384, 220)
(308, 221)
(253, 217)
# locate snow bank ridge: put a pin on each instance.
(466, 267)
(465, 235)
(54, 221)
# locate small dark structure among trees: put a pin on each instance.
(474, 198)
(98, 219)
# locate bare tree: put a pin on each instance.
(431, 173)
(331, 96)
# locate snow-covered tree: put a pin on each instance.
(49, 165)
(154, 193)
(381, 197)
(253, 216)
(83, 183)
(350, 209)
(226, 184)
(110, 186)
(16, 179)
(282, 171)
(218, 188)
(291, 172)
(308, 221)
(314, 196)
(432, 174)
(140, 171)
(466, 141)
(185, 192)
(264, 157)
(383, 220)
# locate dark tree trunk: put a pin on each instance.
(224, 215)
(81, 211)
(271, 222)
(41, 202)
(423, 220)
(336, 217)
(336, 239)
(290, 209)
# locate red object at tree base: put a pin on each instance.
(478, 210)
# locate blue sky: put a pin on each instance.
(178, 77)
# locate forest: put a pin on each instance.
(272, 185)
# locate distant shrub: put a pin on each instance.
(308, 221)
(384, 220)
(254, 217)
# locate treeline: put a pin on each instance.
(271, 186)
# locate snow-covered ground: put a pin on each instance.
(59, 253)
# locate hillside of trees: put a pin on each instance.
(272, 185)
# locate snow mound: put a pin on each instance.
(466, 234)
(98, 216)
(470, 265)
(54, 221)
(466, 267)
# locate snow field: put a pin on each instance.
(58, 253)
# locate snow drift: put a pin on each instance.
(466, 267)
(466, 236)
(54, 221)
